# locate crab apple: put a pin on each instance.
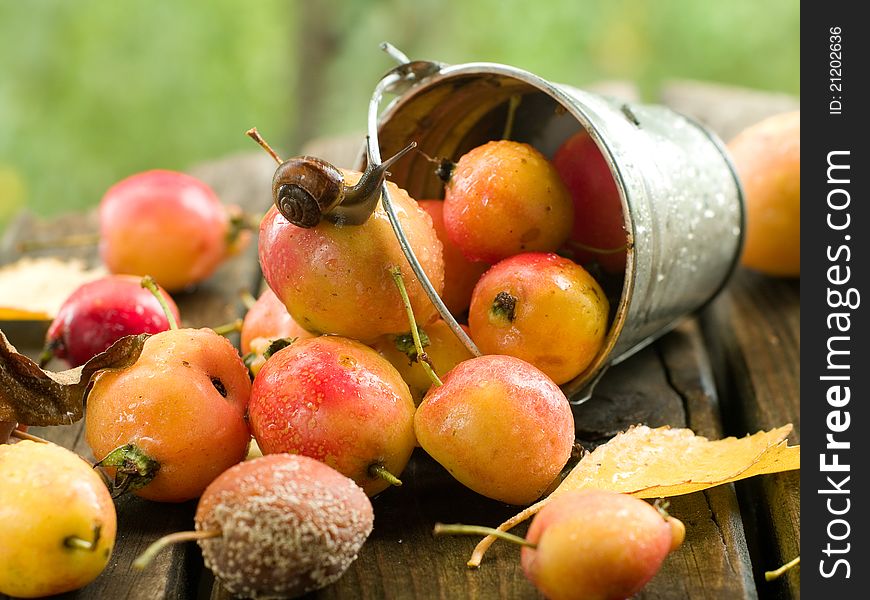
(175, 419)
(168, 225)
(289, 525)
(100, 312)
(504, 198)
(598, 219)
(277, 526)
(460, 274)
(58, 521)
(267, 321)
(334, 278)
(542, 308)
(500, 426)
(597, 545)
(767, 157)
(338, 401)
(443, 349)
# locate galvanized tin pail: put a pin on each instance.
(681, 199)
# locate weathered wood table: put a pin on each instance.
(730, 370)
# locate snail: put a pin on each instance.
(307, 189)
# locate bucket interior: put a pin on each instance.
(452, 114)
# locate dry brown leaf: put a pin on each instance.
(661, 462)
(32, 396)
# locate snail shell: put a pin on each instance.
(305, 188)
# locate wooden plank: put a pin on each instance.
(175, 574)
(718, 538)
(754, 334)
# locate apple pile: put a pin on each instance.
(347, 366)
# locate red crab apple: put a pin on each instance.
(598, 219)
(500, 426)
(334, 278)
(590, 544)
(443, 349)
(167, 425)
(168, 225)
(338, 401)
(101, 312)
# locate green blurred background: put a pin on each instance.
(92, 91)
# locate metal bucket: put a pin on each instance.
(681, 199)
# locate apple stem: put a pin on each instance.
(247, 299)
(228, 328)
(149, 284)
(154, 549)
(513, 103)
(485, 543)
(72, 241)
(581, 246)
(74, 542)
(240, 222)
(23, 435)
(459, 529)
(776, 573)
(48, 352)
(445, 167)
(504, 306)
(255, 135)
(379, 470)
(422, 357)
(133, 469)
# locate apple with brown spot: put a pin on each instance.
(542, 308)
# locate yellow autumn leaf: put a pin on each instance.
(662, 462)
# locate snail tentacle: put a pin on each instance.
(361, 199)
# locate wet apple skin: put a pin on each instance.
(338, 401)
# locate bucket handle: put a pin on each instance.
(406, 75)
